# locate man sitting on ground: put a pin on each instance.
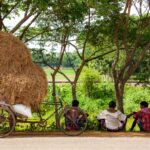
(142, 117)
(75, 118)
(112, 119)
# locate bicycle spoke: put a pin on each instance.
(7, 121)
(72, 126)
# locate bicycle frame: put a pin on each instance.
(42, 122)
(59, 105)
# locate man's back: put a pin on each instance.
(112, 120)
(74, 118)
(144, 116)
(145, 112)
(73, 113)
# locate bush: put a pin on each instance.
(107, 90)
(90, 79)
(133, 96)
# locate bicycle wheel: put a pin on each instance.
(7, 121)
(72, 126)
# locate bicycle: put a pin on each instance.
(73, 121)
(9, 118)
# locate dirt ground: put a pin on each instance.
(85, 134)
(75, 143)
(89, 140)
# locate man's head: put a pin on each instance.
(112, 104)
(143, 104)
(75, 103)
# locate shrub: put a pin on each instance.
(107, 90)
(133, 96)
(90, 79)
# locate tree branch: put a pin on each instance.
(44, 30)
(12, 8)
(26, 28)
(99, 56)
(133, 67)
(76, 49)
(45, 62)
(1, 21)
(4, 26)
(28, 6)
(22, 21)
(87, 35)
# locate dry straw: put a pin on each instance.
(21, 81)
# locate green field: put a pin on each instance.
(67, 71)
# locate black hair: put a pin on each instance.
(75, 103)
(144, 104)
(112, 104)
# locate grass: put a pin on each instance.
(69, 72)
(129, 124)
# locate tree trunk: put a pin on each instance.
(63, 47)
(74, 93)
(74, 83)
(119, 91)
(1, 22)
(54, 99)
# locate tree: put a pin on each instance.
(130, 42)
(126, 34)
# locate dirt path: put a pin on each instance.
(85, 134)
(75, 143)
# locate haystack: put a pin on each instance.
(14, 55)
(21, 81)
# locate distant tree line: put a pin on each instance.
(70, 59)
